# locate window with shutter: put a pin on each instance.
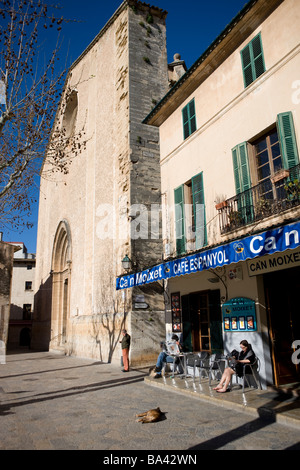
(274, 170)
(190, 221)
(189, 119)
(199, 211)
(241, 168)
(253, 61)
(242, 182)
(267, 163)
(289, 150)
(179, 220)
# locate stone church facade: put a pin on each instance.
(89, 219)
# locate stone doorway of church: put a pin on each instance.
(61, 276)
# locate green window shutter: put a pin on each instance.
(189, 119)
(192, 109)
(253, 61)
(242, 179)
(179, 220)
(258, 56)
(245, 171)
(247, 66)
(185, 118)
(241, 168)
(286, 131)
(236, 170)
(199, 211)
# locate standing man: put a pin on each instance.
(125, 345)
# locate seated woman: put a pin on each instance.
(246, 356)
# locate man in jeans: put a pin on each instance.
(164, 357)
(125, 345)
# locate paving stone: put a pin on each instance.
(96, 408)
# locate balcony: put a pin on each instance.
(269, 198)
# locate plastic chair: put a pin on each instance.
(168, 365)
(214, 365)
(202, 362)
(192, 361)
(254, 367)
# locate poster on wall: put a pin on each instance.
(239, 314)
(176, 312)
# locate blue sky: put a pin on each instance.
(191, 27)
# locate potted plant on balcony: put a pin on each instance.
(292, 189)
(235, 219)
(263, 207)
(220, 202)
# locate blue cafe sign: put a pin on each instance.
(239, 314)
(266, 243)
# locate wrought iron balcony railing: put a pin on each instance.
(270, 197)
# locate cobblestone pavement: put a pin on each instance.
(53, 402)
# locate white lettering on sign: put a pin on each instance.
(267, 251)
(258, 244)
(296, 354)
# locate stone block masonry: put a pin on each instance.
(117, 79)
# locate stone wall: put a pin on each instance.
(6, 267)
(117, 79)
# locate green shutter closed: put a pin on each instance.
(289, 150)
(253, 61)
(258, 57)
(247, 66)
(179, 220)
(241, 168)
(192, 112)
(189, 119)
(236, 171)
(199, 211)
(242, 179)
(185, 118)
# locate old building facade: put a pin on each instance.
(230, 138)
(217, 159)
(6, 268)
(88, 218)
(22, 298)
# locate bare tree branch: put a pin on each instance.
(30, 94)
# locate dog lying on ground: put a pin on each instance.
(151, 416)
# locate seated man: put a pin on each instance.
(165, 356)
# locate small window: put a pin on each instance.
(70, 115)
(27, 312)
(28, 285)
(268, 161)
(190, 220)
(189, 119)
(253, 61)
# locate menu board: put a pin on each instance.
(239, 314)
(176, 312)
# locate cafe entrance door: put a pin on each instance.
(202, 321)
(282, 296)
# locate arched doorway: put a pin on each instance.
(61, 277)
